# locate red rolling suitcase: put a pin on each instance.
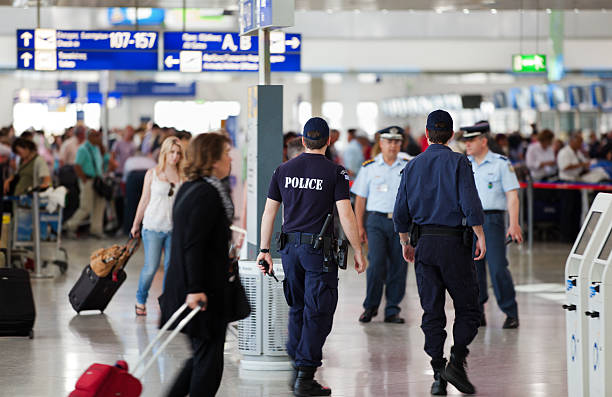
(101, 380)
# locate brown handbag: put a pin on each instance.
(113, 258)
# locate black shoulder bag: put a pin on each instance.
(103, 188)
(235, 300)
(237, 305)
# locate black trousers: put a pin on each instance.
(201, 375)
(444, 263)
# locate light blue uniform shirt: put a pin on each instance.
(494, 177)
(378, 182)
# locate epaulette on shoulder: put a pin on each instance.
(367, 162)
(503, 157)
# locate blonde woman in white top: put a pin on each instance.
(155, 212)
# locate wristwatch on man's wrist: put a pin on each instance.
(405, 242)
(265, 250)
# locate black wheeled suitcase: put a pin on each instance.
(94, 293)
(17, 311)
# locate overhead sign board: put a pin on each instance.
(128, 16)
(271, 14)
(528, 63)
(229, 52)
(51, 49)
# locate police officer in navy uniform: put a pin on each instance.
(375, 189)
(309, 186)
(436, 209)
(497, 187)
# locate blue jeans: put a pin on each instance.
(387, 266)
(153, 243)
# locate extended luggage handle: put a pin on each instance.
(160, 334)
(132, 244)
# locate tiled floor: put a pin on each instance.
(376, 359)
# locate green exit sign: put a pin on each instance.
(528, 63)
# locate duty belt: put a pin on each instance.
(303, 238)
(388, 215)
(436, 230)
(492, 212)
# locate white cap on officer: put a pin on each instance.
(393, 132)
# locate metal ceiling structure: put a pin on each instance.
(338, 5)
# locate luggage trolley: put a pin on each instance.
(29, 227)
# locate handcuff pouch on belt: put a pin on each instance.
(281, 240)
(415, 234)
(468, 234)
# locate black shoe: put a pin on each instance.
(438, 387)
(455, 372)
(483, 320)
(511, 323)
(394, 319)
(294, 372)
(367, 315)
(306, 386)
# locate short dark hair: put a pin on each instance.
(546, 136)
(23, 143)
(314, 144)
(183, 135)
(439, 136)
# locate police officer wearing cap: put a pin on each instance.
(436, 210)
(498, 190)
(375, 189)
(309, 186)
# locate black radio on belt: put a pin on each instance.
(319, 239)
(342, 254)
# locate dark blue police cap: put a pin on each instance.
(316, 125)
(393, 132)
(480, 128)
(439, 120)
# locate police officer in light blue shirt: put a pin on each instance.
(376, 189)
(497, 187)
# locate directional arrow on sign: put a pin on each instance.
(294, 42)
(26, 57)
(170, 61)
(26, 37)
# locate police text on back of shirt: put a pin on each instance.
(303, 183)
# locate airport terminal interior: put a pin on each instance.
(94, 93)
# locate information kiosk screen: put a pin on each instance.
(588, 232)
(607, 248)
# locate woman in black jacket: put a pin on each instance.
(199, 266)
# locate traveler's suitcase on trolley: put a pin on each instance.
(95, 293)
(101, 380)
(17, 311)
(92, 292)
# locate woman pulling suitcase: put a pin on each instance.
(202, 216)
(155, 212)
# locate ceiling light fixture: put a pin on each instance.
(548, 11)
(576, 10)
(493, 11)
(330, 11)
(357, 11)
(384, 11)
(466, 11)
